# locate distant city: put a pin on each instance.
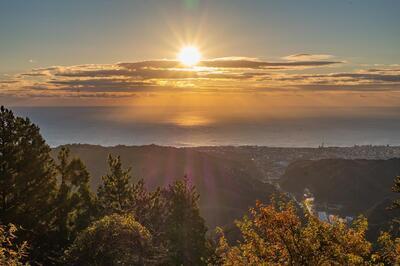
(273, 161)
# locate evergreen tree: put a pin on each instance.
(27, 182)
(115, 193)
(74, 204)
(148, 208)
(185, 230)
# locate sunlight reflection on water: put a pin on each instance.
(94, 126)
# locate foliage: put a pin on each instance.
(11, 253)
(115, 193)
(396, 203)
(74, 202)
(276, 236)
(27, 181)
(171, 214)
(49, 214)
(113, 240)
(396, 188)
(149, 208)
(118, 194)
(388, 252)
(185, 230)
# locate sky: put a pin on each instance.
(259, 57)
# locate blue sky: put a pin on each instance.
(54, 32)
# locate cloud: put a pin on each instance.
(174, 69)
(141, 73)
(101, 85)
(228, 62)
(308, 57)
(355, 77)
(8, 81)
(251, 64)
(351, 88)
(231, 74)
(34, 74)
(367, 76)
(389, 70)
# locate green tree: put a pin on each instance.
(27, 181)
(113, 240)
(118, 194)
(74, 203)
(115, 193)
(277, 236)
(185, 230)
(148, 208)
(11, 253)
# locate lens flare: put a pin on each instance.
(189, 56)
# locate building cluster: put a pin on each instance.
(332, 218)
(322, 211)
(272, 161)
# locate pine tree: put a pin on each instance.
(115, 193)
(74, 203)
(148, 208)
(185, 230)
(118, 194)
(27, 182)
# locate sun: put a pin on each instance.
(189, 56)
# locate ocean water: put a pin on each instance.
(95, 125)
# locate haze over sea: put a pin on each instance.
(109, 126)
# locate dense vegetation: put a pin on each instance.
(348, 188)
(227, 187)
(357, 185)
(49, 215)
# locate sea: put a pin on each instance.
(92, 125)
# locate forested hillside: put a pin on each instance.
(355, 184)
(352, 186)
(228, 188)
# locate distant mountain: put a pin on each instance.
(226, 187)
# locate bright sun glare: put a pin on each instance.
(189, 56)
